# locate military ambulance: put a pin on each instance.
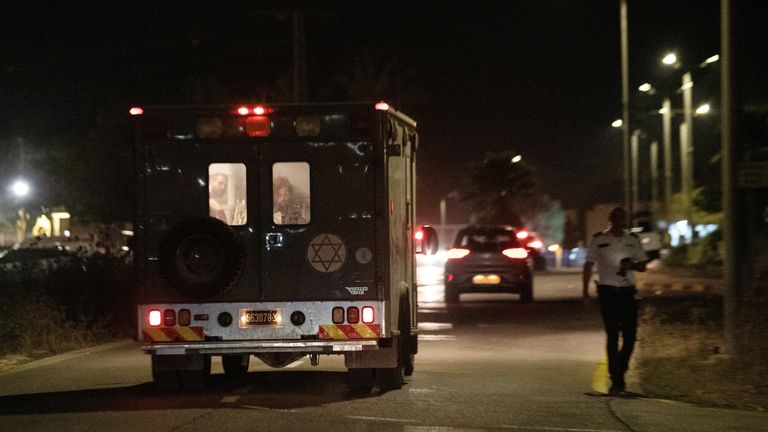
(277, 232)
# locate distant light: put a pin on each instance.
(669, 59)
(67, 233)
(663, 111)
(382, 106)
(126, 232)
(712, 59)
(618, 123)
(522, 235)
(703, 109)
(136, 111)
(20, 188)
(687, 85)
(645, 87)
(243, 110)
(536, 244)
(553, 247)
(517, 159)
(125, 248)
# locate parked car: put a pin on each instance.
(35, 258)
(488, 259)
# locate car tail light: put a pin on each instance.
(515, 253)
(337, 315)
(522, 235)
(419, 235)
(155, 318)
(449, 277)
(536, 244)
(368, 314)
(353, 315)
(185, 317)
(169, 318)
(457, 253)
(258, 126)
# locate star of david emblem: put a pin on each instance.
(326, 253)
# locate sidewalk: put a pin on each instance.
(642, 415)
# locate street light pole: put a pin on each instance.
(625, 104)
(654, 176)
(635, 144)
(667, 127)
(687, 149)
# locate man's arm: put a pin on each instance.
(586, 277)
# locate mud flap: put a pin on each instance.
(385, 357)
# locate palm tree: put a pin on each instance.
(503, 190)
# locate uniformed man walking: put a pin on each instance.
(618, 255)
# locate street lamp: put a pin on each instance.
(20, 188)
(686, 131)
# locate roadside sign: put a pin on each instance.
(753, 175)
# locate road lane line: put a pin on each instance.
(385, 419)
(558, 429)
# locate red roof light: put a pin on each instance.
(136, 111)
(243, 110)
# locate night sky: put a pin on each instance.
(540, 77)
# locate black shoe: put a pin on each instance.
(616, 391)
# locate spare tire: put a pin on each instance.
(202, 257)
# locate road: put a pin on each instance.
(489, 363)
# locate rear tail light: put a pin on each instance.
(449, 277)
(185, 317)
(337, 315)
(457, 253)
(419, 235)
(155, 318)
(522, 235)
(536, 244)
(169, 318)
(258, 126)
(368, 315)
(515, 253)
(353, 315)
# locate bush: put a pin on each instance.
(86, 301)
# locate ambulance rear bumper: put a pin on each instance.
(254, 347)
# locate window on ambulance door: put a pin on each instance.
(227, 193)
(290, 193)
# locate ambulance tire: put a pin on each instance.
(235, 366)
(409, 341)
(196, 379)
(361, 380)
(202, 257)
(394, 377)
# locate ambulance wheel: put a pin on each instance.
(235, 366)
(361, 380)
(164, 380)
(409, 341)
(196, 379)
(394, 377)
(202, 257)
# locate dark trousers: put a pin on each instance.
(619, 310)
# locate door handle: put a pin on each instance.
(274, 240)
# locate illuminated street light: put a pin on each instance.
(517, 159)
(646, 88)
(712, 59)
(703, 109)
(617, 123)
(20, 188)
(669, 59)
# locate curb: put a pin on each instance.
(66, 356)
(672, 285)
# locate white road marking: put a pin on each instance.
(230, 399)
(436, 337)
(267, 408)
(435, 326)
(558, 429)
(439, 429)
(386, 419)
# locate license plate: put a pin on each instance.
(486, 279)
(252, 318)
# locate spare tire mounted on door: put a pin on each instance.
(202, 257)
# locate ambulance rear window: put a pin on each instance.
(227, 193)
(290, 193)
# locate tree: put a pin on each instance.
(503, 190)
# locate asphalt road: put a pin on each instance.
(489, 363)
